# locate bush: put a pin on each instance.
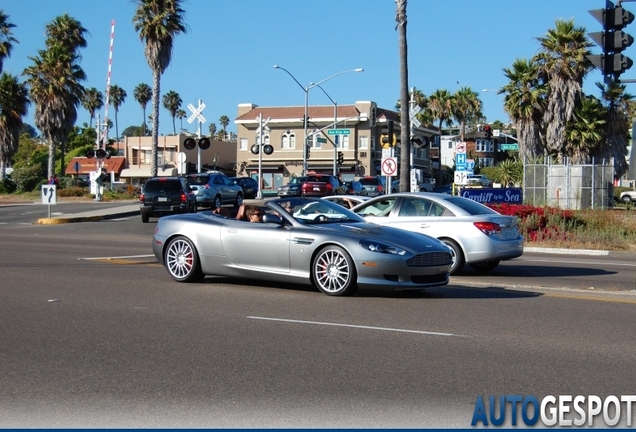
(28, 178)
(7, 185)
(72, 191)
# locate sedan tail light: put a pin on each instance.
(488, 228)
(329, 187)
(380, 188)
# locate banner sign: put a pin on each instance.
(493, 195)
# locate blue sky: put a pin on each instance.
(228, 54)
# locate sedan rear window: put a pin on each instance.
(472, 207)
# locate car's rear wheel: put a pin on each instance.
(333, 272)
(145, 217)
(217, 202)
(182, 260)
(239, 200)
(626, 199)
(484, 267)
(457, 254)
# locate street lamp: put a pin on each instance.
(306, 90)
(335, 125)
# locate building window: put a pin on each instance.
(288, 140)
(483, 146)
(364, 143)
(243, 144)
(343, 142)
(451, 144)
(486, 162)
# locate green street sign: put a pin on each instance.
(509, 146)
(321, 140)
(338, 131)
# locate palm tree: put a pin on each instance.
(441, 105)
(224, 121)
(158, 22)
(212, 130)
(405, 139)
(6, 38)
(55, 84)
(584, 132)
(117, 96)
(466, 108)
(525, 103)
(92, 101)
(619, 115)
(563, 65)
(181, 114)
(143, 95)
(172, 102)
(14, 101)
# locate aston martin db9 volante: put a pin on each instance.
(301, 240)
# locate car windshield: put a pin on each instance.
(315, 211)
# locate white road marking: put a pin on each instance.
(355, 326)
(599, 263)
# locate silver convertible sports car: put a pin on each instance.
(301, 240)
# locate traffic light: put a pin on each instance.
(488, 131)
(390, 131)
(340, 158)
(612, 39)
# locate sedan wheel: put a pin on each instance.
(626, 199)
(239, 201)
(182, 260)
(457, 254)
(333, 272)
(484, 267)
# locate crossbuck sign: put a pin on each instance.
(196, 112)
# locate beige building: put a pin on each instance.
(361, 146)
(220, 155)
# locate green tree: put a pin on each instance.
(55, 87)
(14, 102)
(158, 22)
(172, 102)
(563, 64)
(405, 141)
(441, 105)
(117, 97)
(619, 113)
(181, 114)
(584, 132)
(224, 121)
(6, 38)
(466, 108)
(92, 101)
(143, 95)
(212, 130)
(525, 103)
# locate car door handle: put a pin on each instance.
(425, 225)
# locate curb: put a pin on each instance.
(73, 219)
(566, 251)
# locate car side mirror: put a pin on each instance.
(272, 218)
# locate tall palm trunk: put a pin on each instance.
(156, 74)
(405, 145)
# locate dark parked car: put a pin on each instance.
(248, 184)
(317, 185)
(213, 189)
(374, 185)
(166, 195)
(353, 188)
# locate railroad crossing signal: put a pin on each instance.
(196, 112)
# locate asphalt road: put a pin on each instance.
(94, 333)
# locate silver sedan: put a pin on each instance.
(301, 240)
(477, 235)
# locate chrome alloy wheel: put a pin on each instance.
(333, 271)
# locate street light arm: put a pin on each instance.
(323, 90)
(310, 86)
(293, 77)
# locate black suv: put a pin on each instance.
(166, 195)
(248, 184)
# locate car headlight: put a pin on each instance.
(381, 248)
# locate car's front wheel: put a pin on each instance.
(484, 267)
(239, 200)
(333, 272)
(182, 260)
(626, 199)
(457, 255)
